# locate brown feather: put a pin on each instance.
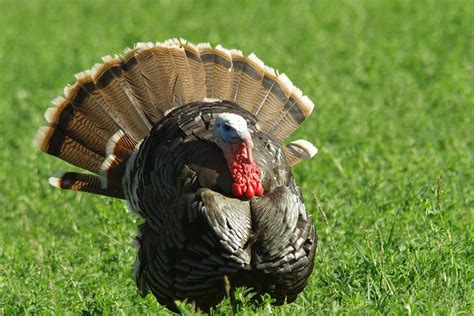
(197, 70)
(106, 79)
(54, 142)
(158, 70)
(223, 76)
(74, 124)
(294, 112)
(207, 59)
(250, 82)
(184, 86)
(272, 106)
(83, 182)
(237, 67)
(134, 78)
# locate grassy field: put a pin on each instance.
(391, 189)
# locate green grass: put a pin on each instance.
(393, 82)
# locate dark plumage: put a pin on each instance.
(144, 124)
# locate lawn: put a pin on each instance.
(391, 189)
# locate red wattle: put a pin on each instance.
(259, 189)
(245, 174)
(249, 193)
(236, 190)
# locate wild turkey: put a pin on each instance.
(191, 137)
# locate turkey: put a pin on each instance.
(191, 137)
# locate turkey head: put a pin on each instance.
(235, 141)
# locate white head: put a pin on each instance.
(234, 139)
(231, 129)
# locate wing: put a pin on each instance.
(286, 243)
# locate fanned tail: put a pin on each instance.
(99, 120)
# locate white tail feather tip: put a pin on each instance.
(41, 139)
(112, 142)
(308, 148)
(55, 180)
(308, 105)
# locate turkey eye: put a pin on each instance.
(226, 128)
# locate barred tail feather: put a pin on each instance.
(250, 82)
(115, 100)
(184, 87)
(197, 69)
(207, 60)
(136, 82)
(85, 183)
(237, 67)
(52, 141)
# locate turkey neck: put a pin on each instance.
(243, 170)
(240, 153)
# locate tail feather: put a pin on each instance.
(99, 122)
(160, 76)
(52, 141)
(121, 145)
(250, 81)
(74, 124)
(184, 87)
(197, 69)
(295, 111)
(84, 183)
(268, 82)
(136, 82)
(125, 91)
(272, 106)
(207, 59)
(83, 101)
(299, 150)
(115, 100)
(119, 149)
(114, 120)
(237, 67)
(222, 84)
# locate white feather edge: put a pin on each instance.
(307, 105)
(52, 113)
(172, 43)
(97, 70)
(142, 46)
(42, 137)
(112, 142)
(56, 179)
(179, 41)
(83, 76)
(224, 51)
(203, 46)
(109, 59)
(106, 164)
(236, 53)
(309, 148)
(285, 83)
(190, 46)
(257, 62)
